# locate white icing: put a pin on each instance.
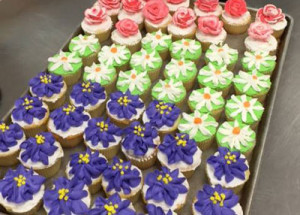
(183, 46)
(220, 54)
(98, 28)
(202, 99)
(262, 46)
(14, 148)
(137, 17)
(113, 53)
(113, 12)
(164, 22)
(217, 12)
(100, 146)
(174, 7)
(157, 39)
(99, 72)
(126, 41)
(54, 97)
(84, 42)
(134, 80)
(216, 76)
(277, 26)
(241, 20)
(169, 88)
(206, 38)
(64, 60)
(89, 107)
(237, 209)
(257, 59)
(174, 29)
(144, 59)
(175, 68)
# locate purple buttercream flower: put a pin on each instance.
(9, 135)
(154, 210)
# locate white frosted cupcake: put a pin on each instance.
(207, 8)
(132, 9)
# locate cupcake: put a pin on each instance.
(210, 31)
(260, 39)
(112, 7)
(207, 8)
(183, 23)
(88, 167)
(169, 91)
(67, 197)
(206, 100)
(180, 152)
(174, 5)
(123, 178)
(132, 9)
(157, 16)
(115, 55)
(89, 95)
(260, 61)
(21, 191)
(273, 16)
(156, 210)
(216, 198)
(216, 77)
(219, 54)
(159, 42)
(236, 136)
(244, 109)
(147, 60)
(166, 188)
(11, 137)
(137, 82)
(228, 169)
(253, 84)
(42, 153)
(183, 70)
(112, 205)
(236, 17)
(124, 108)
(97, 22)
(163, 116)
(187, 49)
(31, 114)
(67, 124)
(200, 127)
(140, 144)
(103, 74)
(127, 34)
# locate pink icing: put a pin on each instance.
(207, 5)
(236, 8)
(270, 14)
(184, 17)
(175, 1)
(95, 15)
(110, 4)
(260, 31)
(210, 25)
(127, 27)
(155, 11)
(132, 6)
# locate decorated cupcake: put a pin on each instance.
(207, 8)
(216, 77)
(183, 23)
(31, 114)
(273, 16)
(228, 169)
(66, 64)
(180, 152)
(67, 124)
(183, 70)
(244, 109)
(140, 144)
(91, 96)
(187, 49)
(42, 153)
(124, 108)
(157, 16)
(159, 42)
(158, 185)
(215, 198)
(206, 100)
(112, 205)
(174, 5)
(123, 178)
(21, 191)
(88, 167)
(112, 7)
(156, 210)
(260, 39)
(260, 61)
(132, 9)
(253, 84)
(67, 197)
(210, 31)
(236, 17)
(200, 127)
(97, 22)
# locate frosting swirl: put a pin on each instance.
(207, 5)
(154, 210)
(236, 8)
(184, 17)
(95, 15)
(110, 4)
(175, 1)
(9, 135)
(127, 27)
(155, 11)
(210, 25)
(270, 14)
(260, 31)
(132, 6)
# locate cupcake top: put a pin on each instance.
(132, 6)
(235, 8)
(110, 4)
(260, 61)
(183, 17)
(84, 45)
(260, 31)
(181, 69)
(155, 11)
(128, 28)
(146, 60)
(219, 54)
(11, 136)
(67, 197)
(272, 15)
(64, 63)
(186, 48)
(114, 55)
(103, 74)
(95, 15)
(210, 25)
(207, 5)
(157, 41)
(156, 210)
(169, 91)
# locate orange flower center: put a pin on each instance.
(258, 57)
(197, 120)
(167, 85)
(98, 69)
(217, 72)
(64, 58)
(246, 104)
(147, 57)
(186, 43)
(114, 50)
(254, 77)
(157, 36)
(206, 96)
(180, 63)
(133, 76)
(236, 130)
(220, 50)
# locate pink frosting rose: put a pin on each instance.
(95, 15)
(175, 1)
(207, 5)
(155, 11)
(184, 17)
(270, 14)
(127, 27)
(236, 8)
(210, 25)
(260, 31)
(110, 4)
(132, 6)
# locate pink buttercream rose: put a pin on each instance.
(210, 25)
(184, 17)
(207, 5)
(236, 8)
(110, 4)
(260, 31)
(270, 14)
(132, 6)
(127, 27)
(95, 15)
(155, 11)
(175, 1)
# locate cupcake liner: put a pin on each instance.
(95, 186)
(164, 54)
(176, 37)
(204, 145)
(181, 104)
(141, 26)
(89, 60)
(122, 123)
(146, 95)
(189, 84)
(260, 96)
(49, 171)
(278, 33)
(32, 211)
(32, 130)
(109, 152)
(154, 74)
(59, 102)
(114, 18)
(171, 130)
(132, 48)
(236, 29)
(97, 111)
(144, 162)
(150, 28)
(205, 45)
(102, 35)
(10, 159)
(123, 67)
(225, 91)
(70, 141)
(73, 78)
(109, 88)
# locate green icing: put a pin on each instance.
(187, 55)
(138, 66)
(262, 69)
(147, 45)
(112, 76)
(190, 74)
(87, 51)
(233, 58)
(60, 70)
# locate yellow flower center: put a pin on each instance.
(20, 180)
(163, 108)
(139, 130)
(85, 159)
(45, 79)
(230, 158)
(69, 109)
(102, 125)
(120, 167)
(40, 139)
(124, 100)
(3, 127)
(27, 104)
(165, 179)
(111, 208)
(217, 198)
(63, 194)
(180, 140)
(86, 87)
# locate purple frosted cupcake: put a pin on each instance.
(154, 210)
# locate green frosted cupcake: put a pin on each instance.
(183, 70)
(201, 127)
(147, 60)
(87, 47)
(244, 109)
(206, 100)
(66, 64)
(260, 61)
(252, 84)
(187, 49)
(216, 77)
(137, 82)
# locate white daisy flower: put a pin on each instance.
(206, 99)
(177, 67)
(85, 42)
(112, 53)
(215, 75)
(221, 54)
(185, 46)
(252, 80)
(157, 39)
(63, 60)
(257, 59)
(145, 59)
(98, 72)
(133, 80)
(170, 88)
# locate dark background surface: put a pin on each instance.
(33, 30)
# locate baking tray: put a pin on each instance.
(199, 178)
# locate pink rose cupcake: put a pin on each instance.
(183, 24)
(273, 16)
(260, 38)
(173, 5)
(113, 8)
(97, 22)
(207, 8)
(210, 31)
(157, 16)
(132, 9)
(236, 17)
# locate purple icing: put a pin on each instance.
(9, 135)
(154, 210)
